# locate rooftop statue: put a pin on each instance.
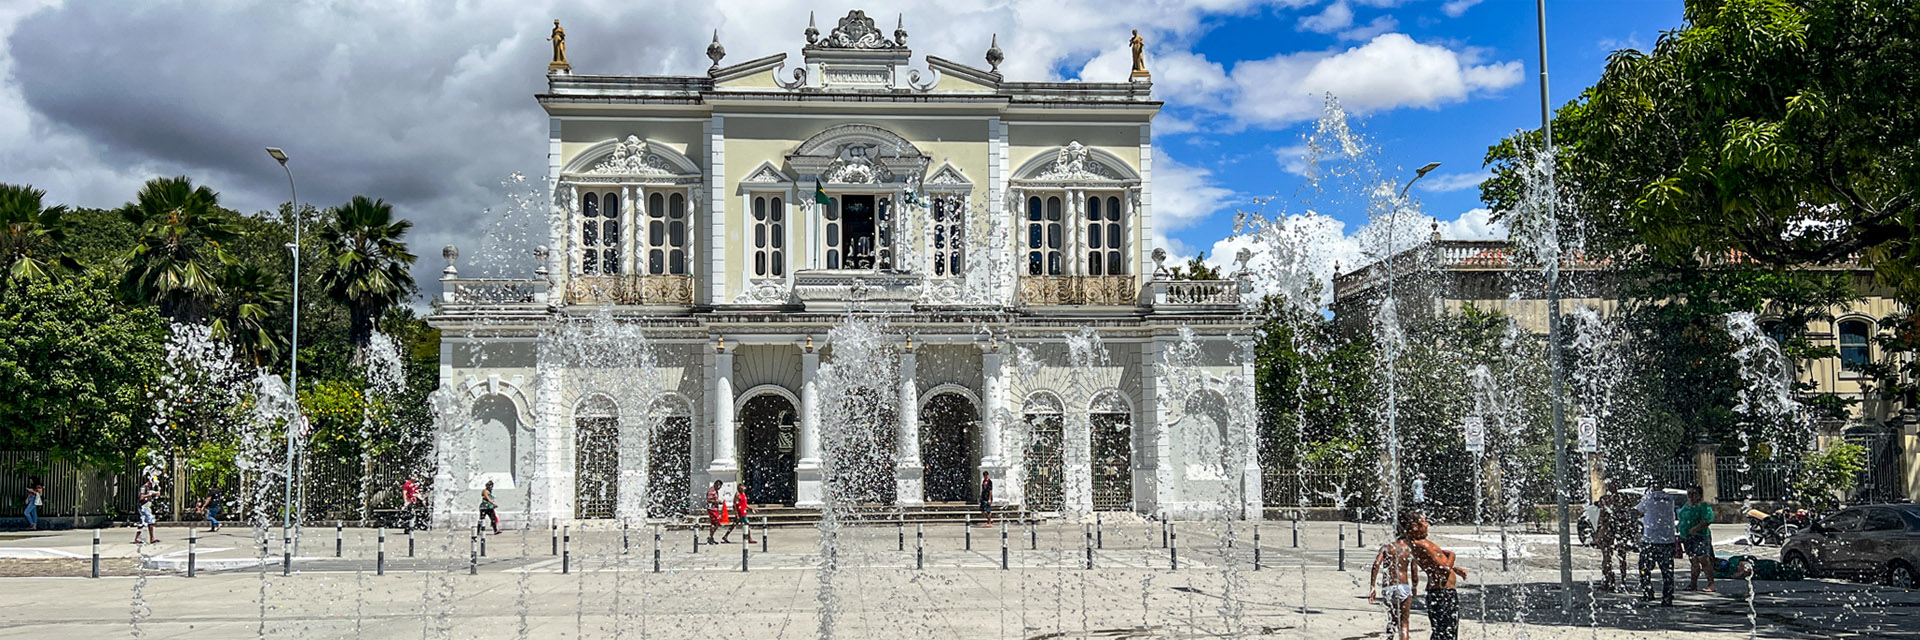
(1139, 56)
(559, 40)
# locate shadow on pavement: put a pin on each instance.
(1796, 609)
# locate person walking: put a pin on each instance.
(1420, 489)
(716, 511)
(740, 508)
(1396, 557)
(1696, 538)
(1613, 535)
(986, 497)
(35, 492)
(410, 503)
(210, 506)
(1657, 541)
(488, 509)
(148, 492)
(1443, 578)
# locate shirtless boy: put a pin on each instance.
(1443, 603)
(1397, 558)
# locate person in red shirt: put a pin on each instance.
(410, 502)
(716, 511)
(740, 508)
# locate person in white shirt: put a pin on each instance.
(1420, 489)
(1657, 540)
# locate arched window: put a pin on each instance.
(949, 235)
(600, 233)
(769, 237)
(1854, 348)
(1104, 244)
(1044, 236)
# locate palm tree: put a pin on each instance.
(30, 237)
(249, 297)
(177, 259)
(366, 265)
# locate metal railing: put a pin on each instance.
(1740, 479)
(493, 291)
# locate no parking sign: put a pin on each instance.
(1476, 429)
(1589, 434)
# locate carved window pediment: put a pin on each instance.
(632, 159)
(1076, 163)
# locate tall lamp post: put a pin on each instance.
(1553, 333)
(293, 423)
(1393, 397)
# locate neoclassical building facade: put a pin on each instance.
(709, 233)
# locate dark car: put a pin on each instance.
(1876, 542)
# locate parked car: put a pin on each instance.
(1876, 542)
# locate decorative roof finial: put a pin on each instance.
(900, 30)
(813, 32)
(994, 55)
(715, 52)
(452, 254)
(559, 40)
(1435, 225)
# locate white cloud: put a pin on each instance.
(1390, 71)
(1183, 194)
(1474, 224)
(1451, 182)
(1335, 17)
(1301, 250)
(1457, 8)
(1377, 26)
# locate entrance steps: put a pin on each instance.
(873, 514)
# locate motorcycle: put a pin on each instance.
(1774, 528)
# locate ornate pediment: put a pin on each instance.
(767, 174)
(947, 176)
(1075, 162)
(855, 165)
(633, 157)
(857, 31)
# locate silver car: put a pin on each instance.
(1876, 542)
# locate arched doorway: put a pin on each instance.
(670, 459)
(1111, 421)
(948, 426)
(596, 459)
(1046, 453)
(767, 425)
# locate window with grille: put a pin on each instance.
(949, 242)
(1044, 241)
(666, 237)
(769, 237)
(600, 233)
(1854, 348)
(1104, 245)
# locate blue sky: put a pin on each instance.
(429, 105)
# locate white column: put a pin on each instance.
(1143, 221)
(724, 464)
(716, 210)
(909, 487)
(629, 237)
(993, 417)
(1152, 478)
(1251, 500)
(809, 488)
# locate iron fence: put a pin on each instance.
(1742, 479)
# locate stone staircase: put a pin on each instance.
(929, 513)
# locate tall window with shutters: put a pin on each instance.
(1104, 242)
(665, 240)
(949, 241)
(769, 236)
(1044, 236)
(600, 233)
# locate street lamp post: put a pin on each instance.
(1393, 354)
(1553, 332)
(293, 386)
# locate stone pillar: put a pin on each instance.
(1246, 411)
(725, 465)
(1149, 429)
(1909, 434)
(1077, 446)
(1704, 471)
(629, 241)
(993, 418)
(909, 487)
(809, 488)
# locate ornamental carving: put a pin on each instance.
(666, 289)
(765, 292)
(855, 166)
(1075, 162)
(1101, 290)
(632, 157)
(948, 176)
(857, 31)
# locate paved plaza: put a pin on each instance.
(521, 589)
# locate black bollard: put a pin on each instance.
(193, 541)
(969, 531)
(1503, 546)
(482, 536)
(1163, 534)
(555, 527)
(1099, 532)
(1360, 537)
(339, 539)
(286, 556)
(763, 533)
(1089, 547)
(696, 539)
(1342, 547)
(1256, 547)
(96, 553)
(1003, 545)
(380, 555)
(1296, 529)
(1033, 536)
(919, 547)
(409, 543)
(743, 549)
(901, 527)
(1173, 548)
(625, 545)
(473, 555)
(656, 549)
(566, 550)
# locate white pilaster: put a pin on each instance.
(997, 204)
(1144, 221)
(809, 490)
(994, 419)
(909, 486)
(725, 463)
(557, 223)
(1251, 500)
(1152, 471)
(630, 242)
(716, 209)
(1077, 453)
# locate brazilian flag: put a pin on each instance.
(820, 193)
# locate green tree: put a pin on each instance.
(177, 258)
(243, 314)
(1197, 269)
(1783, 129)
(366, 265)
(31, 236)
(76, 368)
(1829, 472)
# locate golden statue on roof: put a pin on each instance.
(1139, 56)
(559, 40)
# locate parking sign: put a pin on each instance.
(1589, 434)
(1476, 429)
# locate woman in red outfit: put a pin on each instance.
(740, 508)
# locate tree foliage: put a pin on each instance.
(30, 237)
(366, 264)
(75, 369)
